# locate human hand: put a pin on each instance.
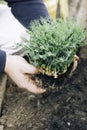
(20, 72)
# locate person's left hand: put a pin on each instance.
(20, 72)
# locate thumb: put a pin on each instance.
(30, 69)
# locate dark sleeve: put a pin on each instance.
(28, 10)
(2, 61)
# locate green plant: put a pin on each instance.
(53, 44)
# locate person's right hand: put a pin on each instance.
(20, 72)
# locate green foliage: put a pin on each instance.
(53, 44)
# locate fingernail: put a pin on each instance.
(41, 90)
(44, 90)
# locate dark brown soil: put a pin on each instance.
(63, 107)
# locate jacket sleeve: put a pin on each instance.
(2, 61)
(25, 11)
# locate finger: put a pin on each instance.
(30, 85)
(36, 90)
(75, 64)
(30, 69)
(76, 57)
